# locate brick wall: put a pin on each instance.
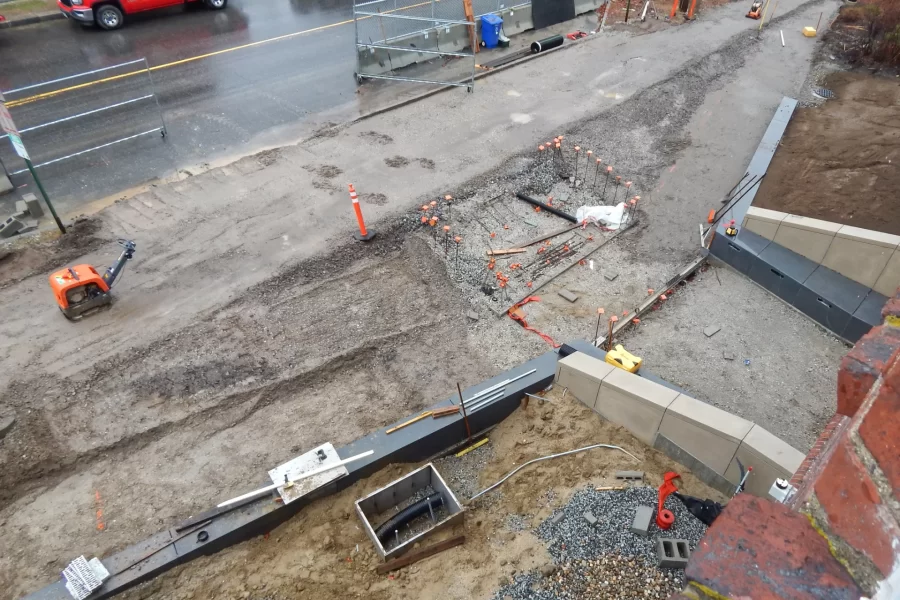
(840, 535)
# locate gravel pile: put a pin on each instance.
(461, 474)
(604, 560)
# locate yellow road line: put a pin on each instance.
(45, 95)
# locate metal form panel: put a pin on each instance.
(382, 500)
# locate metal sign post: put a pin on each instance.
(7, 124)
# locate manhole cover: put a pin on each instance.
(823, 93)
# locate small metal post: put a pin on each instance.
(465, 417)
(155, 97)
(596, 172)
(608, 171)
(431, 511)
(597, 332)
(62, 228)
(627, 10)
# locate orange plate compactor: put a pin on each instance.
(81, 289)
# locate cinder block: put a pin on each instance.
(582, 375)
(889, 280)
(642, 517)
(763, 222)
(672, 553)
(21, 207)
(770, 457)
(709, 434)
(807, 237)
(860, 261)
(10, 227)
(33, 205)
(634, 402)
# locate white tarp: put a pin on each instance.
(611, 217)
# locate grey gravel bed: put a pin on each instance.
(604, 560)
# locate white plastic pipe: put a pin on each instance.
(306, 475)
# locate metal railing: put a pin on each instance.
(88, 80)
(396, 34)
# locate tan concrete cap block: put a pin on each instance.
(591, 367)
(805, 242)
(889, 280)
(764, 214)
(869, 236)
(860, 261)
(639, 388)
(774, 449)
(808, 224)
(703, 415)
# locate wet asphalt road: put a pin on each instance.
(214, 107)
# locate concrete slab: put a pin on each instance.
(889, 280)
(709, 434)
(582, 375)
(711, 330)
(770, 457)
(568, 295)
(5, 185)
(635, 403)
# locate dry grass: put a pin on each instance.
(24, 8)
(881, 19)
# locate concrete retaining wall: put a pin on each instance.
(455, 38)
(714, 437)
(871, 258)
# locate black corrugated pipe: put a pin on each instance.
(386, 530)
(549, 209)
(553, 41)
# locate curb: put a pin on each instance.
(21, 22)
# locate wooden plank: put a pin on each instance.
(470, 17)
(417, 555)
(507, 251)
(444, 412)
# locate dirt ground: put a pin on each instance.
(249, 327)
(315, 555)
(840, 161)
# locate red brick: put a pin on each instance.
(845, 491)
(880, 430)
(762, 550)
(873, 354)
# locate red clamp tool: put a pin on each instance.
(664, 517)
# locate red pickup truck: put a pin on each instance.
(110, 14)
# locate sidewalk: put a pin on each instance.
(27, 12)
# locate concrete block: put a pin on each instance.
(568, 295)
(672, 553)
(590, 518)
(860, 261)
(582, 374)
(630, 475)
(21, 207)
(807, 237)
(770, 457)
(557, 518)
(711, 330)
(33, 205)
(642, 517)
(709, 434)
(6, 185)
(610, 276)
(634, 402)
(763, 222)
(10, 227)
(868, 236)
(889, 280)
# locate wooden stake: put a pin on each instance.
(470, 17)
(424, 415)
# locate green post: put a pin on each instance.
(59, 224)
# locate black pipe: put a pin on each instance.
(554, 41)
(549, 209)
(413, 511)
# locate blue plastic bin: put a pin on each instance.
(490, 30)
